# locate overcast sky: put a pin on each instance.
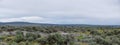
(61, 11)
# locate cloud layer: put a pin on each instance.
(61, 11)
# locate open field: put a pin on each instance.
(59, 35)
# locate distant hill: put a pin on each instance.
(38, 24)
(45, 24)
(15, 23)
(22, 24)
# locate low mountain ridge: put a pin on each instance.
(24, 24)
(46, 24)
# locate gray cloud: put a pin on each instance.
(63, 11)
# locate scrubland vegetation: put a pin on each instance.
(59, 35)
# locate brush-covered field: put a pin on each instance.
(59, 35)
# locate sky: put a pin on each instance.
(98, 12)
